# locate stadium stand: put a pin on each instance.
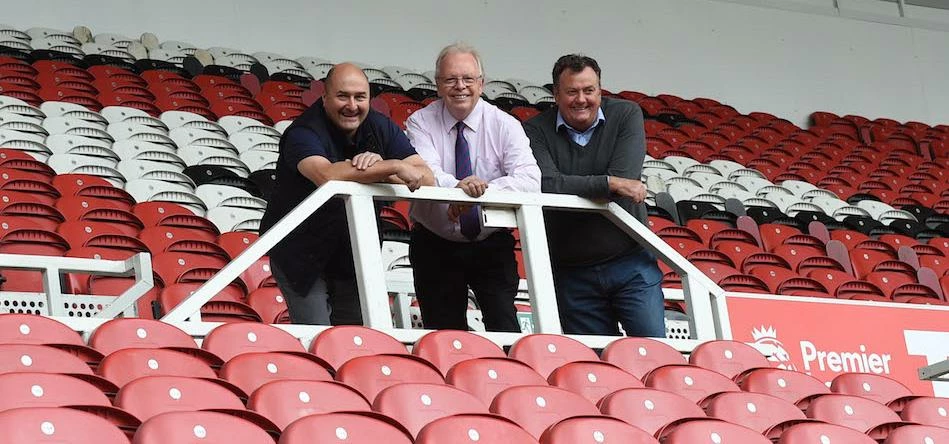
(111, 147)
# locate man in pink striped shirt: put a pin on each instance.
(473, 145)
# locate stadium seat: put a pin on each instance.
(545, 352)
(34, 242)
(473, 428)
(229, 340)
(871, 386)
(31, 389)
(416, 404)
(592, 380)
(446, 348)
(649, 409)
(249, 371)
(762, 413)
(340, 343)
(599, 429)
(730, 358)
(916, 433)
(39, 330)
(204, 427)
(926, 410)
(345, 428)
(535, 408)
(270, 304)
(285, 401)
(814, 432)
(117, 334)
(149, 396)
(639, 356)
(861, 414)
(694, 383)
(486, 377)
(709, 431)
(372, 374)
(125, 365)
(54, 424)
(795, 387)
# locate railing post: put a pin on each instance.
(540, 278)
(367, 257)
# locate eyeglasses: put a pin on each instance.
(452, 81)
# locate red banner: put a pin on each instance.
(825, 338)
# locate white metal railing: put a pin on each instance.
(705, 299)
(52, 268)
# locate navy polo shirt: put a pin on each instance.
(324, 236)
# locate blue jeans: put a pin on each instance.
(595, 299)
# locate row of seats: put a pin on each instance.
(133, 371)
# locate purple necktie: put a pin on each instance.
(470, 225)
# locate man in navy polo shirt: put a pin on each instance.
(338, 138)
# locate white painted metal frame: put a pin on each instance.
(139, 265)
(704, 298)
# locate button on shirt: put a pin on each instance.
(581, 138)
(500, 155)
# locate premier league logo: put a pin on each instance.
(768, 336)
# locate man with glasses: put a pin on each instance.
(594, 147)
(338, 138)
(469, 144)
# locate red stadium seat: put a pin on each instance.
(598, 428)
(730, 358)
(128, 364)
(54, 424)
(39, 330)
(372, 374)
(340, 343)
(861, 414)
(473, 428)
(486, 377)
(230, 340)
(249, 371)
(927, 410)
(694, 383)
(639, 356)
(762, 413)
(703, 430)
(592, 380)
(871, 386)
(204, 427)
(649, 409)
(544, 352)
(917, 434)
(345, 428)
(535, 408)
(446, 348)
(117, 334)
(152, 395)
(34, 242)
(792, 386)
(816, 432)
(270, 304)
(285, 401)
(416, 404)
(29, 389)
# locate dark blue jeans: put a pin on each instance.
(595, 299)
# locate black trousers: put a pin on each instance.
(443, 271)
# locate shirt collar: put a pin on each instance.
(600, 117)
(473, 121)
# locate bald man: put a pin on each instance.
(338, 138)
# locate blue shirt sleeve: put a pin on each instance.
(300, 143)
(397, 144)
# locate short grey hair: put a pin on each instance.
(458, 48)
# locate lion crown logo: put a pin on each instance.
(768, 336)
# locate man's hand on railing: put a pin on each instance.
(473, 186)
(410, 175)
(630, 188)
